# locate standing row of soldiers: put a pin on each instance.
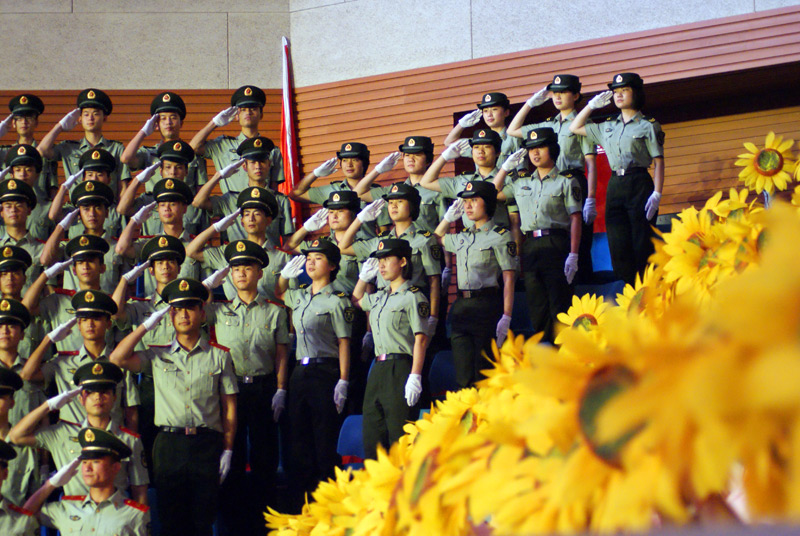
(206, 389)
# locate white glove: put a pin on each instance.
(502, 329)
(515, 159)
(432, 323)
(61, 400)
(278, 404)
(70, 121)
(447, 273)
(58, 268)
(471, 119)
(230, 169)
(5, 125)
(143, 213)
(589, 210)
(651, 207)
(147, 172)
(326, 168)
(413, 389)
(538, 98)
(153, 320)
(455, 211)
(293, 268)
(150, 125)
(225, 116)
(601, 100)
(66, 473)
(214, 280)
(134, 274)
(224, 464)
(369, 270)
(62, 330)
(389, 162)
(371, 211)
(317, 221)
(227, 221)
(455, 149)
(340, 394)
(69, 219)
(571, 267)
(7, 170)
(72, 179)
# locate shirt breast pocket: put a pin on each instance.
(323, 321)
(400, 320)
(171, 375)
(231, 321)
(554, 207)
(210, 381)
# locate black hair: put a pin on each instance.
(638, 98)
(408, 269)
(555, 150)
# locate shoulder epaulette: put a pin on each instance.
(523, 174)
(567, 174)
(413, 289)
(136, 298)
(138, 506)
(342, 294)
(73, 142)
(283, 250)
(279, 304)
(648, 118)
(384, 233)
(73, 497)
(426, 234)
(159, 345)
(128, 431)
(64, 291)
(66, 352)
(70, 422)
(550, 118)
(500, 229)
(612, 118)
(222, 301)
(226, 137)
(303, 285)
(13, 507)
(217, 345)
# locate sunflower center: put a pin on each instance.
(585, 321)
(768, 162)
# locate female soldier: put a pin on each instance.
(631, 141)
(322, 321)
(483, 251)
(399, 323)
(550, 209)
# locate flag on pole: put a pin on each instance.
(291, 164)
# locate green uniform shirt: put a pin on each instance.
(54, 310)
(34, 248)
(320, 194)
(283, 225)
(482, 255)
(396, 317)
(70, 152)
(194, 220)
(23, 476)
(214, 259)
(115, 267)
(319, 320)
(61, 441)
(14, 521)
(30, 396)
(112, 226)
(573, 147)
(63, 366)
(426, 254)
(47, 179)
(509, 146)
(349, 266)
(79, 514)
(452, 186)
(222, 151)
(140, 309)
(189, 384)
(190, 267)
(431, 209)
(196, 170)
(545, 203)
(252, 332)
(631, 144)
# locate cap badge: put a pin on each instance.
(487, 98)
(248, 91)
(534, 135)
(258, 143)
(557, 80)
(240, 246)
(12, 184)
(254, 193)
(412, 142)
(4, 305)
(163, 242)
(96, 155)
(89, 297)
(97, 369)
(169, 185)
(348, 147)
(336, 198)
(89, 436)
(618, 79)
(482, 134)
(177, 146)
(21, 151)
(89, 186)
(90, 95)
(7, 252)
(165, 98)
(469, 187)
(381, 245)
(183, 285)
(83, 241)
(23, 100)
(315, 243)
(394, 188)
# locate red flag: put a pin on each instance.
(291, 165)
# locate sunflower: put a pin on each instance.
(587, 312)
(768, 168)
(647, 295)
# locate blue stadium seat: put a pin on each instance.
(442, 376)
(601, 257)
(351, 443)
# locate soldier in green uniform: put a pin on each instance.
(14, 261)
(105, 509)
(486, 266)
(257, 207)
(256, 331)
(255, 153)
(93, 108)
(550, 207)
(22, 472)
(17, 201)
(318, 386)
(577, 156)
(399, 322)
(247, 104)
(195, 392)
(14, 321)
(632, 142)
(14, 520)
(97, 385)
(24, 164)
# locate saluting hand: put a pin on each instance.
(133, 274)
(66, 473)
(60, 400)
(225, 116)
(143, 213)
(147, 172)
(326, 168)
(58, 268)
(70, 121)
(601, 100)
(317, 221)
(62, 330)
(515, 159)
(5, 125)
(471, 119)
(150, 125)
(456, 149)
(227, 221)
(389, 162)
(371, 211)
(294, 267)
(72, 179)
(230, 169)
(538, 98)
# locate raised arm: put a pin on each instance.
(198, 142)
(203, 198)
(68, 122)
(578, 125)
(364, 185)
(124, 355)
(129, 156)
(538, 98)
(469, 120)
(300, 192)
(291, 270)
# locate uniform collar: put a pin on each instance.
(17, 362)
(485, 229)
(503, 133)
(103, 142)
(636, 117)
(84, 354)
(112, 426)
(411, 231)
(117, 499)
(237, 302)
(327, 289)
(241, 137)
(5, 238)
(552, 175)
(202, 343)
(156, 300)
(268, 245)
(402, 288)
(569, 117)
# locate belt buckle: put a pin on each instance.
(621, 172)
(537, 233)
(381, 357)
(247, 379)
(466, 293)
(305, 361)
(190, 430)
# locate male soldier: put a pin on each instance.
(22, 473)
(247, 103)
(14, 320)
(98, 383)
(23, 165)
(94, 106)
(104, 510)
(195, 391)
(17, 200)
(14, 520)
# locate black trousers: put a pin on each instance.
(585, 268)
(546, 287)
(186, 470)
(630, 235)
(315, 426)
(244, 500)
(385, 408)
(473, 323)
(147, 430)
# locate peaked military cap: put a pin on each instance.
(14, 258)
(16, 190)
(353, 150)
(245, 252)
(96, 443)
(261, 198)
(168, 102)
(176, 151)
(14, 311)
(98, 375)
(257, 148)
(93, 302)
(26, 104)
(540, 136)
(248, 97)
(94, 98)
(10, 382)
(342, 199)
(163, 247)
(494, 99)
(417, 144)
(565, 82)
(327, 248)
(173, 190)
(89, 192)
(24, 155)
(626, 80)
(97, 160)
(392, 246)
(86, 246)
(486, 136)
(184, 291)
